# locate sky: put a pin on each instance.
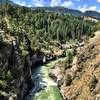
(81, 5)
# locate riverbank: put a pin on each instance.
(45, 87)
(81, 80)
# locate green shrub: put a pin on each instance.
(69, 59)
(9, 76)
(6, 76)
(3, 84)
(68, 80)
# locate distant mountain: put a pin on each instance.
(6, 1)
(93, 14)
(63, 10)
(59, 10)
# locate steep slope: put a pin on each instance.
(15, 69)
(25, 34)
(82, 80)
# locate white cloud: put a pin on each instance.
(22, 3)
(67, 4)
(42, 3)
(98, 0)
(38, 3)
(85, 8)
(29, 5)
(55, 3)
(93, 8)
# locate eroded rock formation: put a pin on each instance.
(82, 80)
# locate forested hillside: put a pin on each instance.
(74, 12)
(42, 26)
(23, 33)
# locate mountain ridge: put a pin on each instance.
(74, 12)
(7, 1)
(62, 10)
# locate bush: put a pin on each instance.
(68, 80)
(93, 83)
(3, 84)
(70, 57)
(69, 60)
(5, 79)
(92, 35)
(8, 76)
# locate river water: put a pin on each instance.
(45, 87)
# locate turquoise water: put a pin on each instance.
(46, 88)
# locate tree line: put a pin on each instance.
(41, 26)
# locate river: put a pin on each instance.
(45, 87)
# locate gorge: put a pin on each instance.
(47, 55)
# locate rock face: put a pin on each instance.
(15, 72)
(41, 58)
(82, 80)
(16, 64)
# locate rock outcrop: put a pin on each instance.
(15, 71)
(82, 80)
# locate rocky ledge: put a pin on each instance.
(15, 69)
(16, 66)
(81, 80)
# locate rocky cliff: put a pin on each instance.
(17, 60)
(81, 80)
(15, 70)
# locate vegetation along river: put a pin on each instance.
(45, 87)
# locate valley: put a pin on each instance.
(48, 53)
